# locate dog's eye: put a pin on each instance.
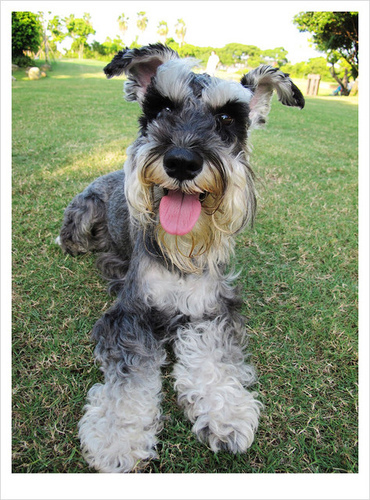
(163, 111)
(225, 119)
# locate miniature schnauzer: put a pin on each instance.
(165, 228)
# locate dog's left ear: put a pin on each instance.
(140, 65)
(262, 81)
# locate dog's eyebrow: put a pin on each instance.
(220, 92)
(233, 107)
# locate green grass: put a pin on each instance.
(299, 280)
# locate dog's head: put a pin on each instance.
(187, 176)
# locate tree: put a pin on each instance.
(336, 34)
(55, 27)
(112, 46)
(123, 24)
(162, 31)
(142, 21)
(180, 30)
(26, 36)
(79, 29)
(316, 65)
(98, 48)
(51, 33)
(44, 46)
(238, 53)
(277, 56)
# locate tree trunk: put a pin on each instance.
(343, 83)
(46, 43)
(354, 89)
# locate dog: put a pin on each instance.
(165, 228)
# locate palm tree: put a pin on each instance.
(123, 24)
(162, 31)
(142, 21)
(180, 30)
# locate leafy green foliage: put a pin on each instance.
(23, 61)
(55, 26)
(276, 56)
(79, 29)
(317, 65)
(123, 23)
(142, 21)
(234, 53)
(109, 48)
(333, 33)
(162, 30)
(26, 36)
(180, 30)
(247, 56)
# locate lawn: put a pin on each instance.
(298, 279)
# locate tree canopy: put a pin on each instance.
(335, 33)
(79, 29)
(26, 36)
(180, 30)
(142, 21)
(162, 31)
(123, 23)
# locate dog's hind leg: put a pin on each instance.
(86, 219)
(84, 228)
(122, 416)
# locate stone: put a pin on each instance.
(34, 73)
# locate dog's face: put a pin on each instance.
(188, 176)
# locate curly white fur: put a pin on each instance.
(121, 421)
(211, 377)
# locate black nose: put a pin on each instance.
(182, 164)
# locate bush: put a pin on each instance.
(23, 61)
(26, 35)
(316, 65)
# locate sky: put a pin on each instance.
(266, 24)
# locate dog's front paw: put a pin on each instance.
(231, 428)
(226, 420)
(118, 430)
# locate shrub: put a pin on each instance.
(26, 36)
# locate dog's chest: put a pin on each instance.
(194, 296)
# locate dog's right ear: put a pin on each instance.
(140, 65)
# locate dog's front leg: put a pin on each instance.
(122, 416)
(211, 379)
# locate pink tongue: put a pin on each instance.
(178, 212)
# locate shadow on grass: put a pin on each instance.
(68, 69)
(76, 68)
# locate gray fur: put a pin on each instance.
(172, 289)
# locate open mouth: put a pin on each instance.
(179, 212)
